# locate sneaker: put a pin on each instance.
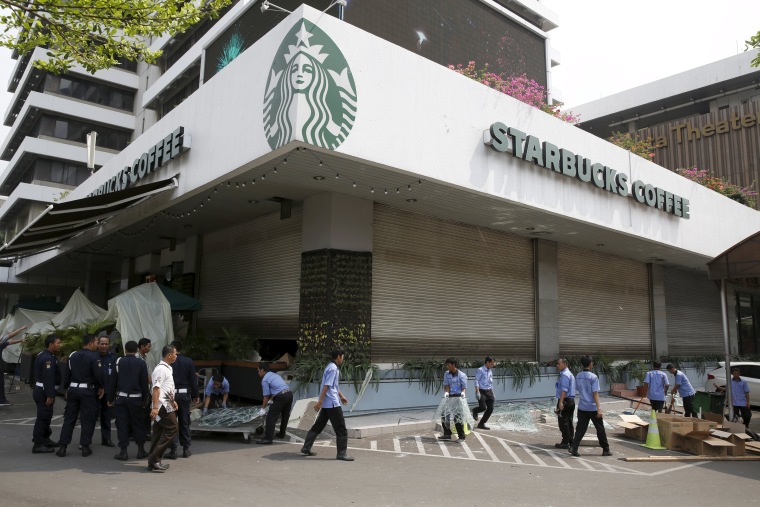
(562, 446)
(606, 452)
(444, 437)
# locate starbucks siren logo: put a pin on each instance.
(310, 93)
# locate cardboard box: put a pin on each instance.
(705, 425)
(669, 427)
(738, 439)
(702, 443)
(718, 418)
(752, 446)
(677, 438)
(635, 428)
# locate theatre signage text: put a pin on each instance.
(563, 161)
(160, 154)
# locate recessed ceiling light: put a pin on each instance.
(319, 178)
(411, 200)
(253, 201)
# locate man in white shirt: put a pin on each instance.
(163, 410)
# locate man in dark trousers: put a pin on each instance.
(328, 406)
(129, 386)
(589, 408)
(274, 388)
(107, 360)
(484, 392)
(83, 388)
(163, 410)
(565, 393)
(47, 376)
(186, 383)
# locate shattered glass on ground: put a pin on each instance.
(230, 417)
(456, 409)
(519, 416)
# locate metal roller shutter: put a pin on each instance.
(694, 317)
(442, 288)
(250, 276)
(603, 304)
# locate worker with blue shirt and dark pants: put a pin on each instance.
(107, 361)
(83, 388)
(454, 386)
(656, 383)
(484, 392)
(328, 406)
(127, 389)
(47, 377)
(275, 388)
(589, 408)
(740, 396)
(186, 384)
(684, 388)
(217, 391)
(565, 392)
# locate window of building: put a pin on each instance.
(58, 171)
(181, 95)
(75, 130)
(90, 91)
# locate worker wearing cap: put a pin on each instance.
(684, 388)
(276, 389)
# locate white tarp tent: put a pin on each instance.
(78, 310)
(143, 312)
(22, 317)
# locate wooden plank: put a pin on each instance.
(693, 458)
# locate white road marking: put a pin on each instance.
(396, 444)
(486, 447)
(445, 451)
(373, 445)
(420, 447)
(532, 455)
(467, 450)
(559, 460)
(510, 451)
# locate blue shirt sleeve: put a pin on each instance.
(328, 379)
(447, 379)
(225, 387)
(265, 386)
(209, 387)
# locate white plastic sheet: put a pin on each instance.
(22, 317)
(143, 312)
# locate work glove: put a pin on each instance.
(270, 402)
(445, 395)
(262, 411)
(205, 411)
(224, 405)
(477, 396)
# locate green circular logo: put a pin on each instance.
(310, 91)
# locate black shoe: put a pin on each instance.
(444, 437)
(344, 457)
(86, 451)
(460, 440)
(474, 414)
(61, 452)
(263, 441)
(562, 446)
(107, 443)
(156, 467)
(42, 448)
(307, 452)
(141, 453)
(50, 443)
(575, 453)
(281, 435)
(172, 454)
(122, 456)
(606, 452)
(186, 452)
(483, 427)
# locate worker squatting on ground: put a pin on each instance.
(217, 393)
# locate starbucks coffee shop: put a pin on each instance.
(329, 185)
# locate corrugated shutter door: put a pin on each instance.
(250, 276)
(603, 304)
(694, 317)
(442, 288)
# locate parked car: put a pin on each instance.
(749, 372)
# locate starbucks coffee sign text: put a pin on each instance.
(563, 161)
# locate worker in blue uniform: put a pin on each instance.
(274, 388)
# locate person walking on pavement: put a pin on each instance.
(656, 384)
(186, 383)
(83, 388)
(143, 353)
(328, 406)
(454, 386)
(107, 361)
(163, 410)
(5, 341)
(274, 388)
(740, 396)
(684, 388)
(484, 392)
(129, 386)
(47, 377)
(589, 408)
(565, 392)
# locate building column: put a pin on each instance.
(658, 311)
(547, 300)
(336, 276)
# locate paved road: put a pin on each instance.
(492, 468)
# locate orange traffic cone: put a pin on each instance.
(653, 435)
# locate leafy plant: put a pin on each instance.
(745, 195)
(309, 368)
(198, 346)
(633, 143)
(605, 365)
(520, 371)
(637, 369)
(428, 371)
(239, 345)
(71, 336)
